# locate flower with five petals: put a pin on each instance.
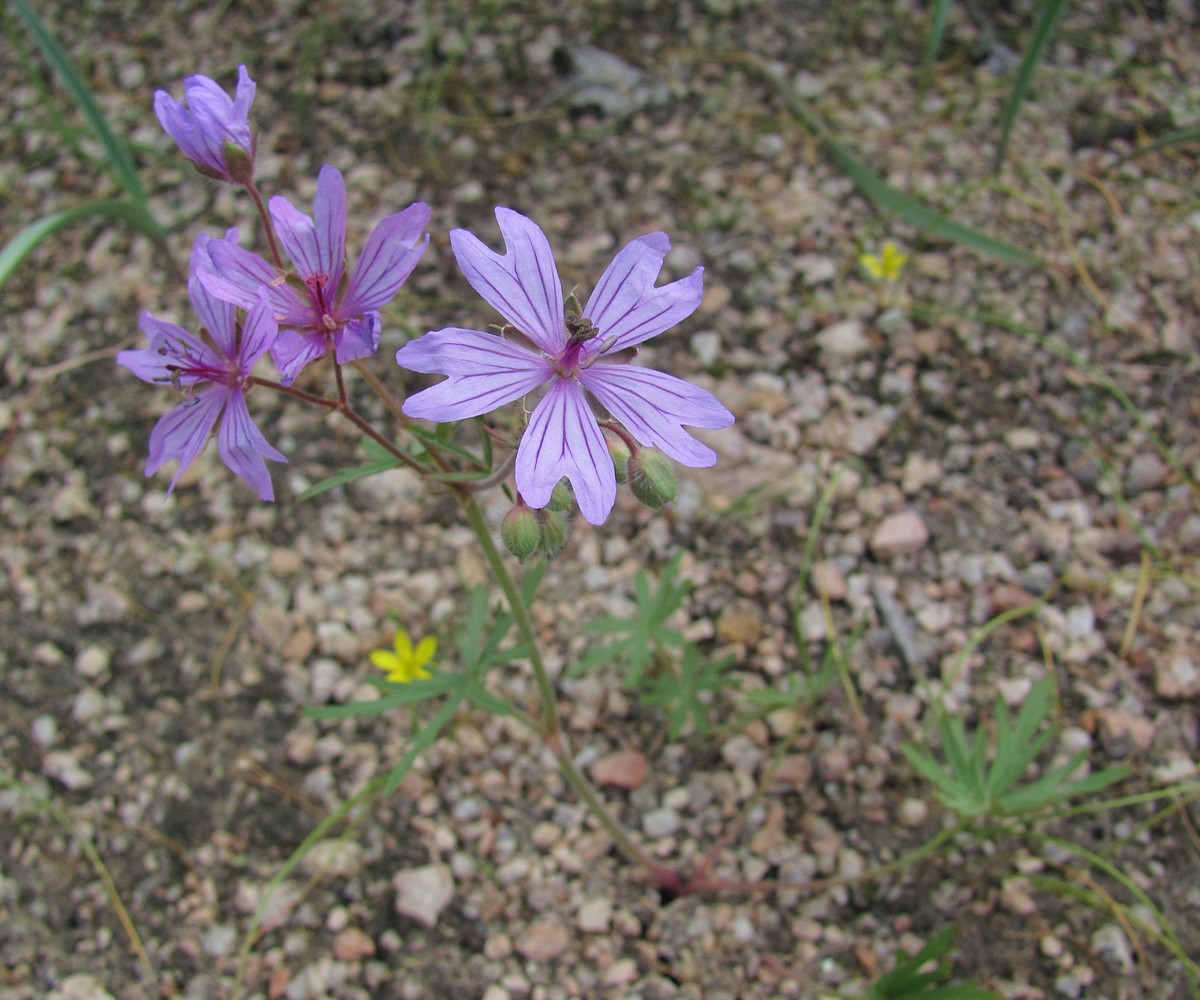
(222, 364)
(404, 662)
(574, 354)
(326, 307)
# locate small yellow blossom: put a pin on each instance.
(403, 663)
(886, 265)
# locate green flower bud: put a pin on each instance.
(239, 162)
(561, 499)
(651, 478)
(620, 457)
(520, 532)
(554, 532)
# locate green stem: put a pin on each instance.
(550, 727)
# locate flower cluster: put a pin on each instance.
(569, 362)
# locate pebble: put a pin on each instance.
(44, 730)
(1146, 472)
(81, 986)
(66, 770)
(899, 534)
(594, 916)
(1176, 677)
(919, 472)
(623, 769)
(89, 704)
(543, 941)
(352, 945)
(1081, 621)
(828, 579)
(660, 823)
(622, 972)
(740, 625)
(1111, 946)
(92, 662)
(935, 618)
(913, 812)
(423, 893)
(335, 857)
(707, 347)
(844, 341)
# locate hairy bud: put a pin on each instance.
(651, 478)
(520, 532)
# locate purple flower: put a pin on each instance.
(211, 130)
(567, 351)
(184, 360)
(322, 308)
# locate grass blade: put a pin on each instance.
(118, 155)
(920, 215)
(1189, 133)
(886, 197)
(1052, 12)
(16, 249)
(933, 42)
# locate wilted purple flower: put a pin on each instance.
(568, 351)
(323, 308)
(211, 130)
(184, 360)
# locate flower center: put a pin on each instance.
(185, 364)
(318, 293)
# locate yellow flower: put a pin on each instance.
(403, 663)
(884, 266)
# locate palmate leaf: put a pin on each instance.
(907, 982)
(971, 786)
(682, 695)
(644, 634)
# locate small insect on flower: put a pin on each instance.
(885, 265)
(404, 662)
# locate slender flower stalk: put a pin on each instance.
(221, 364)
(323, 306)
(571, 353)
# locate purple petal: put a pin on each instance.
(486, 371)
(181, 434)
(315, 248)
(243, 98)
(626, 305)
(216, 116)
(178, 123)
(522, 285)
(654, 406)
(241, 446)
(259, 331)
(235, 275)
(358, 338)
(293, 351)
(329, 207)
(150, 364)
(390, 254)
(216, 315)
(563, 439)
(168, 344)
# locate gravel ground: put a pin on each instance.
(158, 654)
